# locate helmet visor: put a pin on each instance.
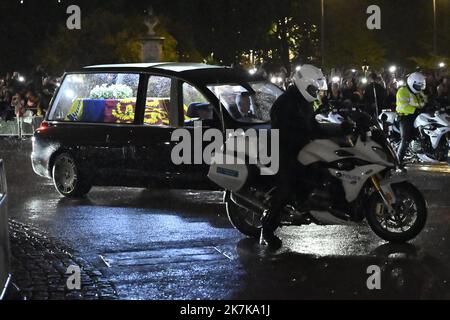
(322, 84)
(419, 86)
(313, 91)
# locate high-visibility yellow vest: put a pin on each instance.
(317, 104)
(76, 111)
(408, 102)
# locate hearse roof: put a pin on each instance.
(169, 66)
(192, 72)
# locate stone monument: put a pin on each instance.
(152, 44)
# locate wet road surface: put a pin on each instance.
(167, 244)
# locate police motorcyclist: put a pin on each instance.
(410, 98)
(293, 115)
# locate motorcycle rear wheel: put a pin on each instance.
(244, 220)
(409, 219)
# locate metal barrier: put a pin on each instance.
(5, 276)
(20, 127)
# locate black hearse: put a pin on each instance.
(111, 125)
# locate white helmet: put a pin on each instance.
(417, 82)
(309, 81)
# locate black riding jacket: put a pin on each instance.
(294, 117)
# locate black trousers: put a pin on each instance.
(406, 132)
(287, 184)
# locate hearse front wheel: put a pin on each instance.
(70, 179)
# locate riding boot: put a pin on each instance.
(269, 225)
(402, 151)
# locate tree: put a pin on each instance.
(348, 41)
(430, 62)
(105, 37)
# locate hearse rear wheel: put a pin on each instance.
(71, 180)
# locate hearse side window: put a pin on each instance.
(245, 106)
(96, 98)
(196, 106)
(157, 105)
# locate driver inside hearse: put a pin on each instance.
(244, 104)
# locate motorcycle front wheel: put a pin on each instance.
(406, 222)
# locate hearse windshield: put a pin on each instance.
(245, 106)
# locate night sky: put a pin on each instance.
(222, 27)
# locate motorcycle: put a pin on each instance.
(329, 115)
(337, 113)
(431, 143)
(351, 179)
(390, 123)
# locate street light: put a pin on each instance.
(441, 64)
(365, 67)
(434, 28)
(336, 79)
(70, 93)
(322, 4)
(392, 69)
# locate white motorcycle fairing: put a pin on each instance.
(328, 151)
(354, 180)
(331, 117)
(424, 120)
(391, 118)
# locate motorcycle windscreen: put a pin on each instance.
(4, 236)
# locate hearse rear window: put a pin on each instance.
(96, 98)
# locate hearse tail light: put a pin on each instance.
(43, 126)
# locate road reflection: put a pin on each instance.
(406, 273)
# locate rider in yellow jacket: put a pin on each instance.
(409, 99)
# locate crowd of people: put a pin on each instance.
(379, 90)
(21, 97)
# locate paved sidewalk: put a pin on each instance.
(39, 266)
